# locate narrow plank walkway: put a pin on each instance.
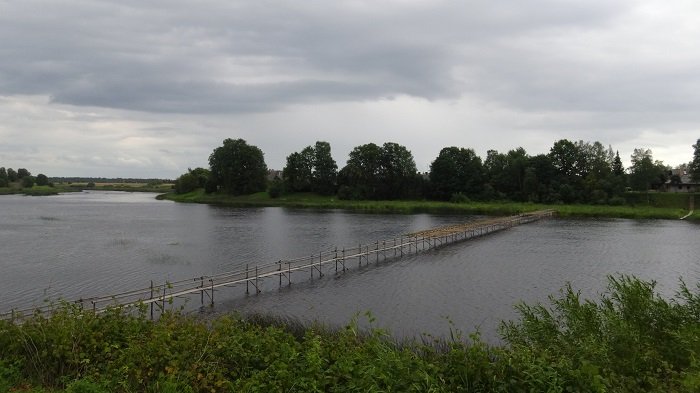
(157, 297)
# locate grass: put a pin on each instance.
(308, 200)
(15, 188)
(630, 339)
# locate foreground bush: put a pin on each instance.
(630, 340)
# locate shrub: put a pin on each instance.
(459, 197)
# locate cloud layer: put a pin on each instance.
(154, 87)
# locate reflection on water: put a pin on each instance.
(86, 244)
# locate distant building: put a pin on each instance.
(680, 181)
(273, 173)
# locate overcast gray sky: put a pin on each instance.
(135, 88)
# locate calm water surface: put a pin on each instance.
(93, 243)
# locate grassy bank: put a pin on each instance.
(78, 187)
(629, 340)
(305, 200)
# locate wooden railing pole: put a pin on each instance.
(151, 300)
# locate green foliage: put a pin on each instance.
(645, 173)
(42, 180)
(298, 173)
(276, 188)
(22, 173)
(27, 181)
(238, 168)
(4, 180)
(629, 340)
(694, 167)
(374, 172)
(458, 197)
(11, 175)
(192, 180)
(325, 176)
(456, 171)
(187, 182)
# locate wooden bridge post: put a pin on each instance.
(151, 300)
(343, 259)
(212, 291)
(246, 279)
(320, 272)
(359, 255)
(164, 287)
(376, 252)
(257, 289)
(201, 293)
(279, 269)
(289, 273)
(336, 259)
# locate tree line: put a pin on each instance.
(572, 172)
(23, 177)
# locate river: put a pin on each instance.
(96, 243)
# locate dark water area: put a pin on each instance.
(98, 243)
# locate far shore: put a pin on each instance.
(638, 210)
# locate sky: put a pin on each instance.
(135, 88)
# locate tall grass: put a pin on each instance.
(630, 339)
(307, 200)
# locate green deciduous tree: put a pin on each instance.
(298, 173)
(325, 174)
(312, 169)
(694, 167)
(192, 180)
(456, 170)
(374, 172)
(11, 175)
(42, 180)
(27, 181)
(506, 172)
(645, 173)
(22, 173)
(238, 168)
(4, 180)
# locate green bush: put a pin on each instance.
(629, 340)
(459, 197)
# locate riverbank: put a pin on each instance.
(78, 187)
(641, 209)
(631, 339)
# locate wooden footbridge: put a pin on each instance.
(157, 297)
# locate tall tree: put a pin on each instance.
(374, 172)
(360, 176)
(456, 170)
(617, 168)
(298, 173)
(22, 172)
(4, 180)
(569, 160)
(397, 172)
(312, 169)
(325, 175)
(42, 180)
(645, 173)
(694, 167)
(238, 168)
(11, 175)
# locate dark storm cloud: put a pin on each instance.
(233, 57)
